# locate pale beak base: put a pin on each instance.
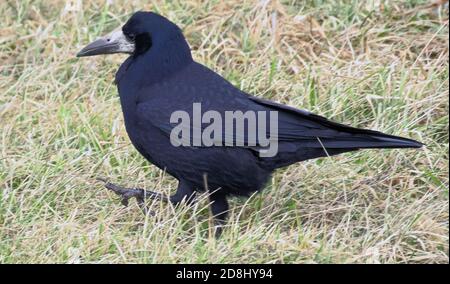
(115, 42)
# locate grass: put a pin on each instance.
(376, 64)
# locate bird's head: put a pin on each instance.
(139, 34)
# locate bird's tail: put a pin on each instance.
(305, 135)
(366, 139)
(343, 139)
(289, 153)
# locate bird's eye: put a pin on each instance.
(131, 37)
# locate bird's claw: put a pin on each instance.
(127, 193)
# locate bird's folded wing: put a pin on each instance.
(292, 124)
(160, 118)
(214, 93)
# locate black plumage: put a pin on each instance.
(160, 77)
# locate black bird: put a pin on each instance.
(160, 77)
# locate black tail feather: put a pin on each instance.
(304, 135)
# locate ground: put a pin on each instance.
(376, 64)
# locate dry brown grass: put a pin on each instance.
(375, 64)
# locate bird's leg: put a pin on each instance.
(219, 209)
(184, 192)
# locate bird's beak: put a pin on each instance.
(115, 42)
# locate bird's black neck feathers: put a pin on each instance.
(167, 56)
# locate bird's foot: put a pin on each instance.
(127, 193)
